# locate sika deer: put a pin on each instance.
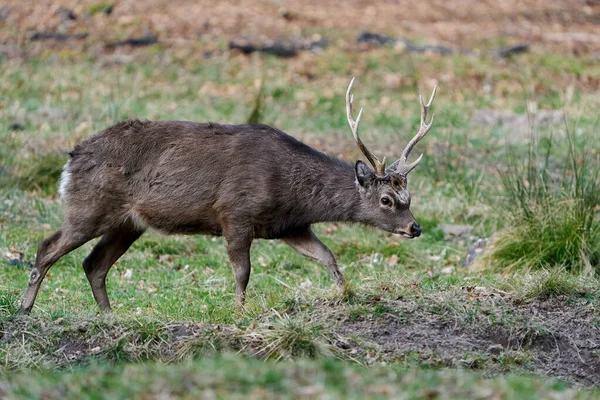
(242, 182)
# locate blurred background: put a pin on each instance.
(76, 66)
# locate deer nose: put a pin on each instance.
(415, 229)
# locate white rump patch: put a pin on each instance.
(65, 177)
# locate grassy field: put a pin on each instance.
(522, 322)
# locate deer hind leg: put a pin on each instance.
(49, 252)
(113, 244)
(308, 244)
(238, 250)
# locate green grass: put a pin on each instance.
(552, 200)
(99, 8)
(41, 174)
(287, 340)
(553, 283)
(234, 377)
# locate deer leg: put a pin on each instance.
(308, 244)
(50, 251)
(238, 250)
(107, 251)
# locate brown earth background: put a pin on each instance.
(559, 26)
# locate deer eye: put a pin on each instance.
(386, 201)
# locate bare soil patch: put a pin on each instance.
(560, 340)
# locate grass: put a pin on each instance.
(100, 8)
(241, 377)
(175, 328)
(552, 205)
(553, 283)
(41, 175)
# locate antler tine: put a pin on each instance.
(424, 126)
(400, 165)
(378, 165)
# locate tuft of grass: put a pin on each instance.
(258, 107)
(9, 304)
(287, 338)
(513, 358)
(101, 7)
(552, 283)
(551, 206)
(40, 173)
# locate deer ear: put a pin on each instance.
(364, 174)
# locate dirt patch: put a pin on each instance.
(73, 348)
(559, 340)
(553, 338)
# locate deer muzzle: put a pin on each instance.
(412, 231)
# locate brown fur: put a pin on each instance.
(238, 181)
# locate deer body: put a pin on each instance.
(241, 182)
(189, 178)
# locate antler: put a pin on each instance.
(400, 166)
(378, 165)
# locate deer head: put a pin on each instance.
(386, 200)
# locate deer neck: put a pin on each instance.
(333, 195)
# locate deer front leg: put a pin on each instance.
(308, 244)
(238, 250)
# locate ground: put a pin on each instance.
(416, 320)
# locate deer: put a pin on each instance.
(240, 182)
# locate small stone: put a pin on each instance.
(66, 14)
(95, 350)
(495, 349)
(448, 269)
(16, 126)
(456, 231)
(342, 344)
(375, 39)
(58, 321)
(474, 252)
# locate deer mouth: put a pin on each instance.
(405, 234)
